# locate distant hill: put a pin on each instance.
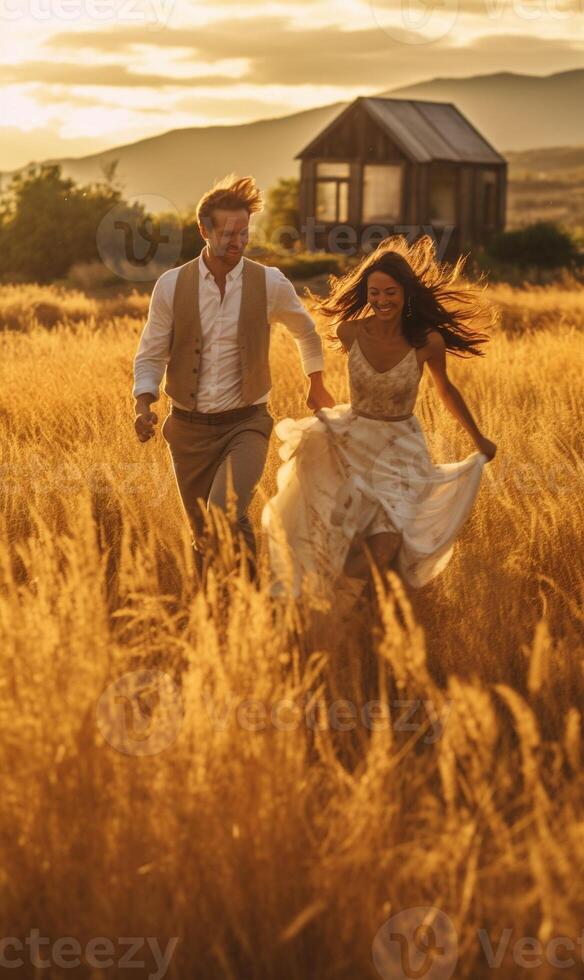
(514, 112)
(182, 164)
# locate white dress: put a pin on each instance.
(344, 473)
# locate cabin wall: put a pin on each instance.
(355, 193)
(306, 196)
(489, 206)
(466, 206)
(436, 205)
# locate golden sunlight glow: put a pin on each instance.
(79, 69)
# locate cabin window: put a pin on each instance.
(329, 168)
(382, 184)
(332, 191)
(443, 184)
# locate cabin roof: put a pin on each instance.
(423, 130)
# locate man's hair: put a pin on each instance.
(230, 193)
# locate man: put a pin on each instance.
(209, 327)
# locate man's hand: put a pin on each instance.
(318, 396)
(145, 419)
(144, 425)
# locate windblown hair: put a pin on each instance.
(440, 299)
(230, 193)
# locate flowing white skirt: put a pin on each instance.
(344, 474)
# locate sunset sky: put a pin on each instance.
(82, 75)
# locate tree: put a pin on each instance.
(281, 224)
(109, 169)
(192, 242)
(47, 223)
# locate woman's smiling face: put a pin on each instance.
(385, 294)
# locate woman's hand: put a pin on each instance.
(487, 447)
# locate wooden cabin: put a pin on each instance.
(385, 163)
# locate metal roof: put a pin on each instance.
(423, 130)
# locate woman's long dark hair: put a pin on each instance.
(440, 299)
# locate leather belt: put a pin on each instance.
(216, 418)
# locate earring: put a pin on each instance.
(409, 313)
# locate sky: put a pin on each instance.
(79, 76)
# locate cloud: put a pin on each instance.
(487, 12)
(326, 56)
(275, 54)
(272, 53)
(111, 76)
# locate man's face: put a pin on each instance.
(228, 236)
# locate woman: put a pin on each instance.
(357, 486)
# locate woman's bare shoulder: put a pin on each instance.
(346, 331)
(434, 340)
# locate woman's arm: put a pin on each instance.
(435, 349)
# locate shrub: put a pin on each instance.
(21, 306)
(543, 245)
(90, 276)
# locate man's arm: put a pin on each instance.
(287, 308)
(152, 355)
(154, 346)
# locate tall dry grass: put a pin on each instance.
(266, 832)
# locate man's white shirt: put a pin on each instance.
(219, 385)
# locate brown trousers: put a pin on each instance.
(201, 452)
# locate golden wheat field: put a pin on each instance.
(194, 781)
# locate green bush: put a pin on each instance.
(281, 213)
(542, 244)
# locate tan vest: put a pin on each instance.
(253, 331)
